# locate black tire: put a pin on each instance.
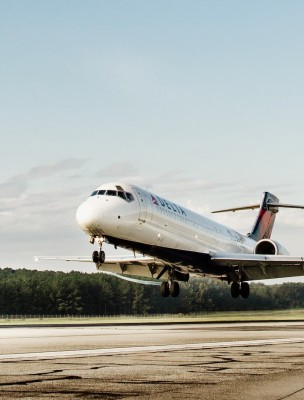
(164, 289)
(95, 257)
(235, 289)
(102, 257)
(174, 289)
(245, 290)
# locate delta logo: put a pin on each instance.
(158, 201)
(154, 201)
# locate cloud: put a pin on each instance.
(180, 186)
(37, 211)
(17, 185)
(44, 171)
(118, 170)
(12, 188)
(40, 216)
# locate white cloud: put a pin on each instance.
(12, 188)
(120, 170)
(17, 185)
(61, 166)
(35, 208)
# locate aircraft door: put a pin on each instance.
(143, 204)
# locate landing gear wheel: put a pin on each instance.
(235, 289)
(95, 257)
(174, 289)
(245, 290)
(98, 257)
(164, 289)
(102, 257)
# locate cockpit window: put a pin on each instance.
(129, 196)
(119, 193)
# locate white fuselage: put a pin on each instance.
(131, 214)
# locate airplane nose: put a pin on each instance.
(88, 218)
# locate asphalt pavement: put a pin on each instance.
(201, 361)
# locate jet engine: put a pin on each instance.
(269, 247)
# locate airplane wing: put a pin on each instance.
(253, 266)
(123, 267)
(258, 266)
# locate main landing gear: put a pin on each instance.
(171, 287)
(240, 289)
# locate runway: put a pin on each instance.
(212, 361)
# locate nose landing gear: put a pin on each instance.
(98, 257)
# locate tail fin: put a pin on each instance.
(264, 223)
(268, 209)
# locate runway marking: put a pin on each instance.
(142, 349)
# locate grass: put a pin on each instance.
(229, 316)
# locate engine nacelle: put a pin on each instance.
(269, 247)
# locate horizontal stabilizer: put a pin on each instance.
(270, 205)
(252, 207)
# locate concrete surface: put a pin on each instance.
(218, 361)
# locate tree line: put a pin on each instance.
(75, 293)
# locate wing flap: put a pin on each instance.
(142, 267)
(130, 279)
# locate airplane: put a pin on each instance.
(171, 243)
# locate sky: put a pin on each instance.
(199, 101)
